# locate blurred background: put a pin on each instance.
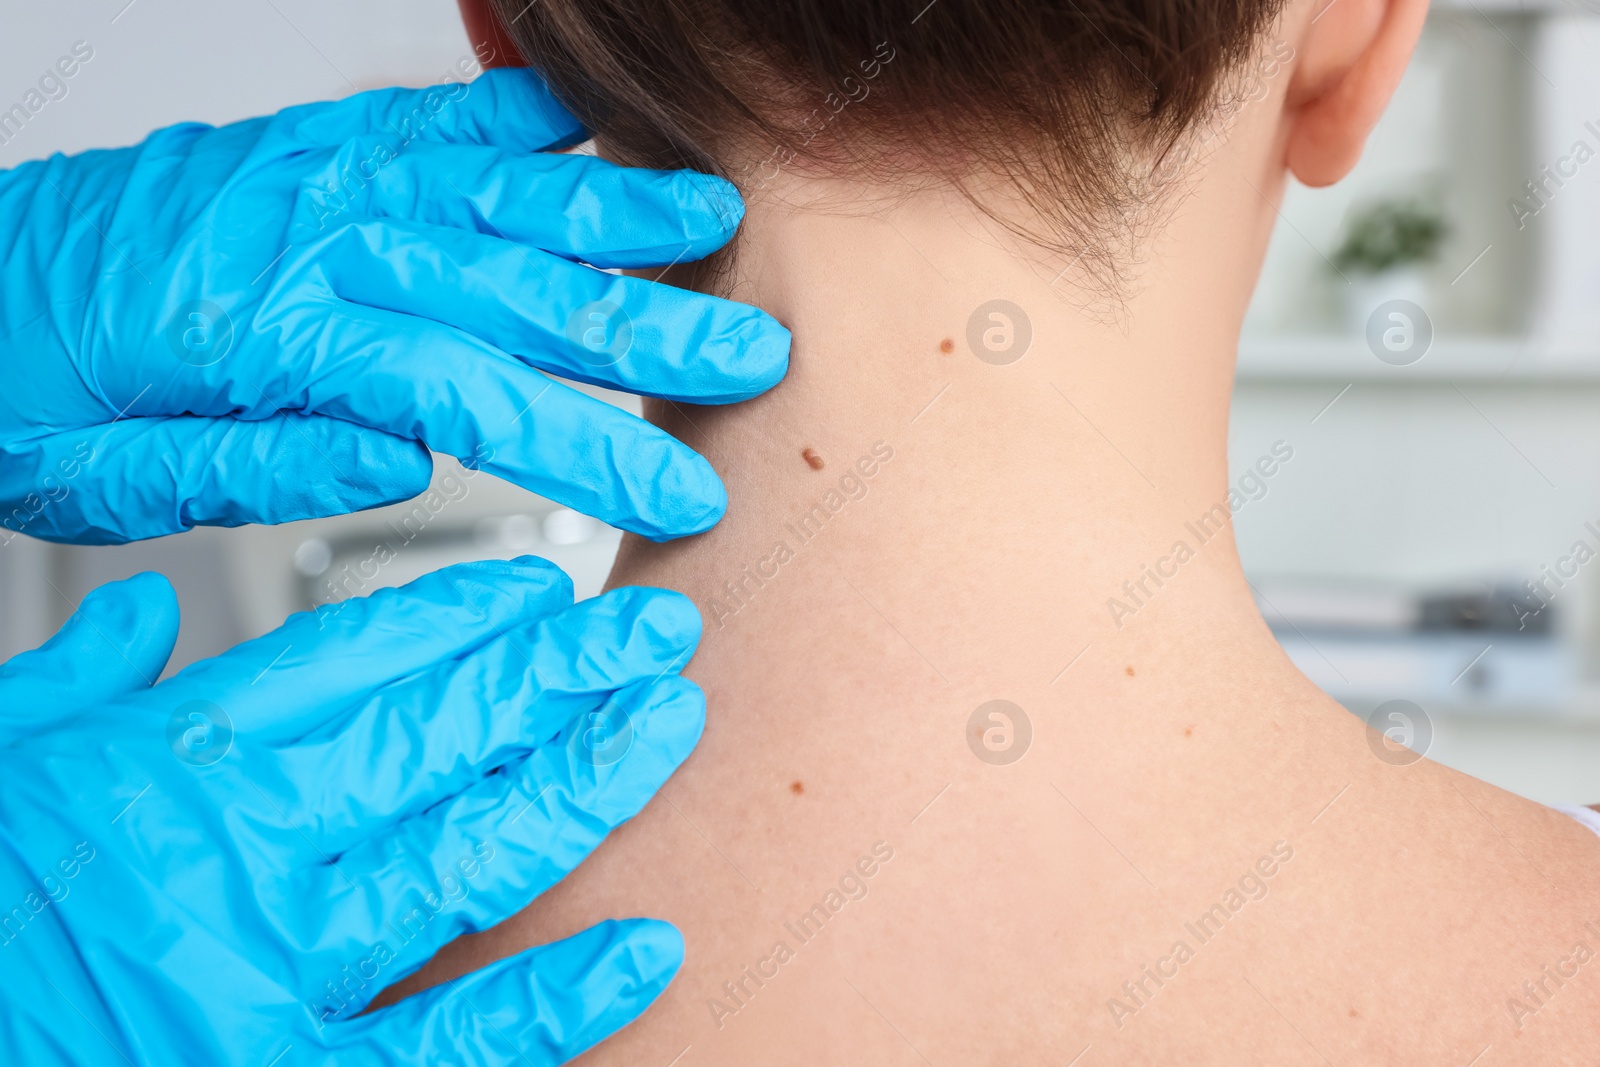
(1426, 341)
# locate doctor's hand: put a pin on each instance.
(271, 320)
(225, 868)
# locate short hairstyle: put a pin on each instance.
(1076, 103)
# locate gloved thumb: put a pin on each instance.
(117, 642)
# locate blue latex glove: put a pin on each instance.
(334, 287)
(223, 869)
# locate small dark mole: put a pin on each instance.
(813, 460)
(1188, 731)
(1128, 671)
(947, 346)
(797, 787)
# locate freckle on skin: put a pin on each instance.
(947, 346)
(1188, 731)
(797, 787)
(1129, 671)
(813, 460)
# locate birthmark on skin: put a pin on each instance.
(813, 460)
(947, 346)
(797, 787)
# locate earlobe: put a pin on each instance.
(1351, 58)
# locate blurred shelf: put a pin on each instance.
(1503, 675)
(1346, 358)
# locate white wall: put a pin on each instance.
(159, 62)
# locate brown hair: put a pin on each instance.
(1078, 103)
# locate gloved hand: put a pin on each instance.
(224, 868)
(268, 321)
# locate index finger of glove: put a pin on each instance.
(312, 667)
(484, 854)
(509, 107)
(576, 206)
(415, 377)
(582, 324)
(412, 745)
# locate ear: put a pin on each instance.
(489, 39)
(1350, 59)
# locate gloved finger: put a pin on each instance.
(509, 107)
(421, 379)
(146, 477)
(541, 1007)
(582, 324)
(485, 854)
(305, 673)
(117, 642)
(578, 206)
(428, 738)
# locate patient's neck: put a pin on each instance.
(963, 462)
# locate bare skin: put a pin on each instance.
(1362, 909)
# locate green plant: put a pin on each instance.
(1390, 234)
